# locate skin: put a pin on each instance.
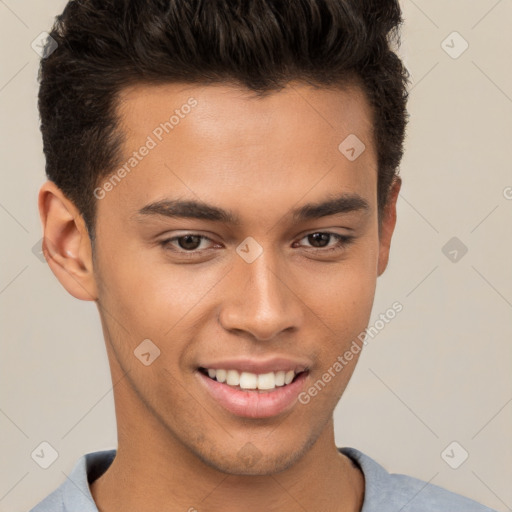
(260, 158)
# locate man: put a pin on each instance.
(223, 184)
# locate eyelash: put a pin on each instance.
(342, 242)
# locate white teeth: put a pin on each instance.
(248, 380)
(289, 377)
(232, 378)
(266, 381)
(280, 378)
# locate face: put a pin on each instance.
(244, 244)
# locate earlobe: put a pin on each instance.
(66, 244)
(387, 225)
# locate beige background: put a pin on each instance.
(439, 372)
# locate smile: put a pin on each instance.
(253, 395)
(251, 381)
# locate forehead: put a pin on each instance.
(225, 114)
(224, 142)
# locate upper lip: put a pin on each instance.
(252, 365)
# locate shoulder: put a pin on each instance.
(52, 503)
(387, 492)
(74, 493)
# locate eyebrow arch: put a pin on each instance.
(189, 209)
(345, 203)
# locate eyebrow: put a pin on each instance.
(176, 208)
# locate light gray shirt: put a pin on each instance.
(384, 492)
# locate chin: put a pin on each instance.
(251, 461)
(266, 465)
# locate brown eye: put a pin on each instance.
(189, 242)
(319, 239)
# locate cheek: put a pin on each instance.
(345, 291)
(154, 300)
(343, 301)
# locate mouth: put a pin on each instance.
(248, 381)
(253, 395)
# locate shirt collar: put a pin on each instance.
(77, 496)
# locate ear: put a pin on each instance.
(387, 225)
(66, 244)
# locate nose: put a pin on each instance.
(261, 301)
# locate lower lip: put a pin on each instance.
(252, 403)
